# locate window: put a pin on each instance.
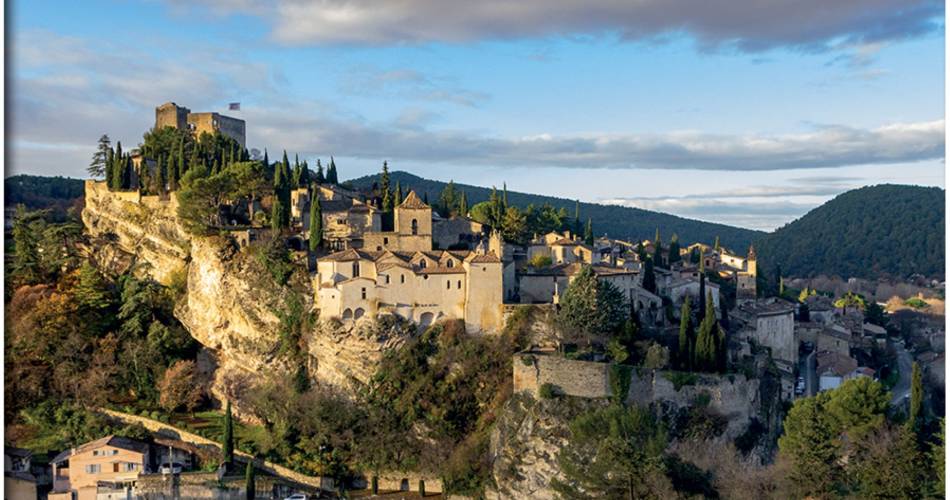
(448, 284)
(422, 263)
(356, 269)
(129, 467)
(460, 285)
(402, 278)
(387, 279)
(450, 263)
(92, 469)
(363, 293)
(415, 226)
(385, 240)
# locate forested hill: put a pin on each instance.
(616, 221)
(874, 231)
(36, 192)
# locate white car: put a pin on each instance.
(170, 468)
(297, 496)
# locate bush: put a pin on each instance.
(620, 381)
(527, 360)
(680, 379)
(547, 391)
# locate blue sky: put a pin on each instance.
(710, 110)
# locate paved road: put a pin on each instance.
(811, 375)
(902, 388)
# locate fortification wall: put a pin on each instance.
(569, 377)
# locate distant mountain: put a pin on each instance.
(871, 232)
(616, 221)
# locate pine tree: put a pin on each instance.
(304, 177)
(227, 443)
(589, 232)
(685, 351)
(98, 166)
(250, 487)
(332, 176)
(316, 222)
(915, 413)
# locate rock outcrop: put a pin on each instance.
(230, 303)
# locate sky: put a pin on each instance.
(748, 114)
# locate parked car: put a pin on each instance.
(170, 468)
(297, 496)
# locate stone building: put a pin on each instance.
(421, 286)
(180, 117)
(743, 270)
(771, 324)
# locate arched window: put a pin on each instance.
(448, 284)
(356, 269)
(415, 226)
(450, 263)
(358, 313)
(422, 263)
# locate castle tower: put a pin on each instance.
(750, 261)
(171, 115)
(745, 280)
(412, 223)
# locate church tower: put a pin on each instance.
(413, 224)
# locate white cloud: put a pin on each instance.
(803, 24)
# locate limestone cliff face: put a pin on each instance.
(142, 226)
(525, 442)
(346, 354)
(230, 305)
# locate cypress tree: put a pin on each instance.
(118, 166)
(110, 169)
(397, 195)
(463, 205)
(127, 173)
(278, 208)
(249, 486)
(658, 253)
(316, 222)
(577, 217)
(160, 175)
(215, 167)
(686, 336)
(716, 246)
(589, 232)
(702, 287)
(266, 161)
(649, 276)
(181, 160)
(425, 197)
(227, 444)
(504, 198)
(332, 176)
(674, 252)
(319, 178)
(708, 338)
(384, 189)
(304, 179)
(915, 412)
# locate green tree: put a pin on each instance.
(886, 464)
(199, 201)
(332, 176)
(707, 340)
(26, 241)
(592, 307)
(649, 276)
(716, 246)
(384, 189)
(250, 487)
(98, 165)
(614, 452)
(514, 226)
(92, 292)
(674, 251)
(685, 353)
(316, 222)
(577, 218)
(916, 413)
(463, 204)
(319, 178)
(397, 195)
(938, 460)
(589, 232)
(810, 445)
(227, 441)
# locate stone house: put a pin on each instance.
(680, 288)
(771, 323)
(19, 483)
(833, 368)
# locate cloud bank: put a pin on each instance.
(812, 25)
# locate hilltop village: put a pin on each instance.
(374, 339)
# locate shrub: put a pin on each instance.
(527, 360)
(620, 381)
(680, 379)
(547, 391)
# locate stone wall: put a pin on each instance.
(568, 377)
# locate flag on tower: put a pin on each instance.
(234, 106)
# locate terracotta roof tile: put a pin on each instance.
(413, 201)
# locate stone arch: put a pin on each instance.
(358, 313)
(347, 313)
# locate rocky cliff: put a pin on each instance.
(229, 303)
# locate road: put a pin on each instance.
(811, 375)
(902, 388)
